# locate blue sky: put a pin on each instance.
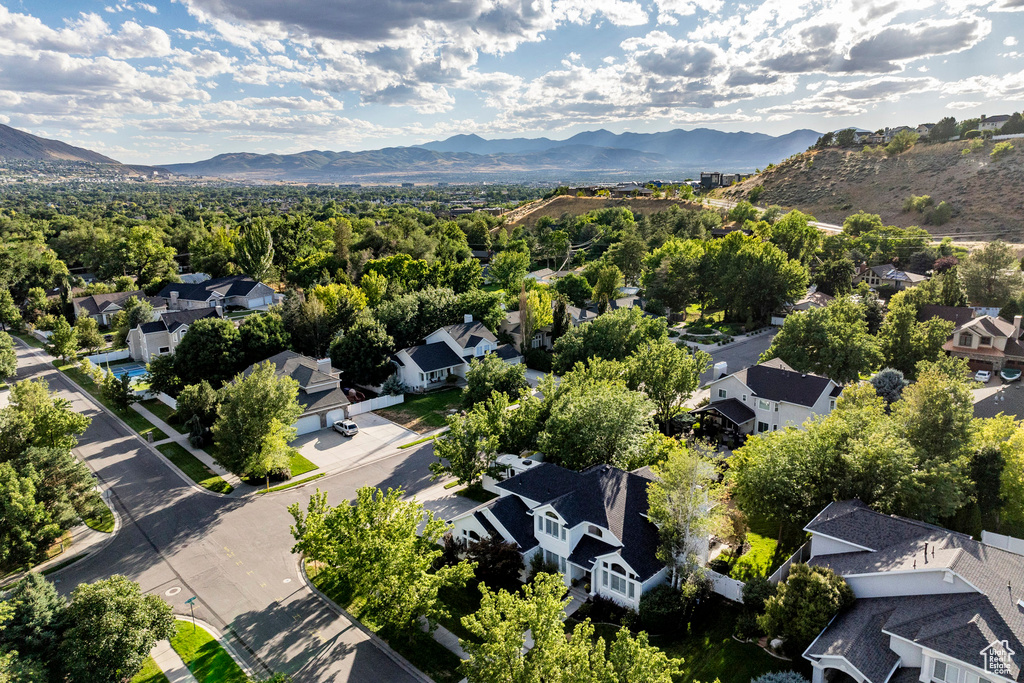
(167, 81)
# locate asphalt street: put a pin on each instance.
(739, 356)
(234, 555)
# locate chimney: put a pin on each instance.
(324, 365)
(468, 318)
(1016, 325)
(174, 298)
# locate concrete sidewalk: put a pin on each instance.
(170, 663)
(182, 440)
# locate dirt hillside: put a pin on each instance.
(986, 195)
(576, 206)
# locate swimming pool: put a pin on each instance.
(135, 370)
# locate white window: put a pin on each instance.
(594, 531)
(722, 393)
(536, 342)
(946, 672)
(619, 583)
(832, 404)
(764, 405)
(552, 527)
(744, 398)
(762, 426)
(164, 349)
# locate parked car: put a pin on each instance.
(346, 427)
(983, 376)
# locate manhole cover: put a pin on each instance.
(287, 580)
(172, 591)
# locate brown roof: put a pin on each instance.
(958, 315)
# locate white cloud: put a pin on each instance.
(1009, 41)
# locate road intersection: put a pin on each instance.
(233, 554)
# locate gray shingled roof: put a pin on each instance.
(469, 334)
(303, 369)
(958, 625)
(589, 548)
(856, 635)
(172, 320)
(958, 315)
(232, 285)
(773, 380)
(94, 304)
(603, 495)
(731, 408)
(436, 356)
(513, 514)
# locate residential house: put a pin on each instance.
(813, 299)
(161, 336)
(631, 190)
(542, 339)
(103, 307)
(924, 129)
(932, 605)
(887, 275)
(988, 343)
(958, 315)
(860, 135)
(767, 397)
(592, 525)
(547, 276)
(992, 123)
(232, 291)
(890, 133)
(321, 396)
(709, 180)
(447, 353)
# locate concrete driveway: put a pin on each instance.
(995, 397)
(377, 438)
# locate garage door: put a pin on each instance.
(976, 365)
(305, 425)
(335, 416)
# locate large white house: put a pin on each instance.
(161, 336)
(103, 307)
(235, 290)
(767, 397)
(933, 605)
(592, 525)
(447, 352)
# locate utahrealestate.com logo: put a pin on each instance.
(996, 658)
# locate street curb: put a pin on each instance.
(213, 631)
(384, 647)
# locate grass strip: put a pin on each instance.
(30, 340)
(150, 673)
(289, 485)
(300, 465)
(417, 442)
(164, 412)
(204, 656)
(61, 565)
(194, 468)
(132, 418)
(422, 651)
(451, 485)
(104, 521)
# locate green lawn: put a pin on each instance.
(206, 658)
(194, 468)
(460, 602)
(132, 418)
(104, 521)
(709, 652)
(764, 555)
(150, 673)
(424, 412)
(290, 484)
(30, 340)
(300, 465)
(164, 412)
(425, 653)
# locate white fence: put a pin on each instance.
(42, 335)
(167, 400)
(375, 404)
(802, 554)
(1013, 545)
(726, 587)
(1008, 136)
(109, 357)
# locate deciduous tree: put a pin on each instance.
(374, 547)
(363, 353)
(88, 331)
(261, 336)
(8, 357)
(804, 604)
(255, 251)
(668, 374)
(489, 374)
(209, 350)
(508, 268)
(64, 340)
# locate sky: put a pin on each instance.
(169, 81)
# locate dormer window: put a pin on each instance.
(594, 531)
(552, 527)
(985, 341)
(966, 339)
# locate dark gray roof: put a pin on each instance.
(507, 352)
(732, 409)
(434, 356)
(856, 635)
(303, 369)
(232, 285)
(957, 624)
(469, 334)
(94, 304)
(603, 495)
(172, 320)
(775, 381)
(486, 524)
(587, 549)
(513, 514)
(958, 315)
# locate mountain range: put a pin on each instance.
(17, 144)
(592, 155)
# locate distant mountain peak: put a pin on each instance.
(17, 144)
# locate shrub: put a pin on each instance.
(901, 142)
(756, 193)
(538, 359)
(663, 608)
(779, 677)
(538, 565)
(940, 215)
(1000, 150)
(972, 134)
(393, 386)
(757, 591)
(498, 564)
(918, 204)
